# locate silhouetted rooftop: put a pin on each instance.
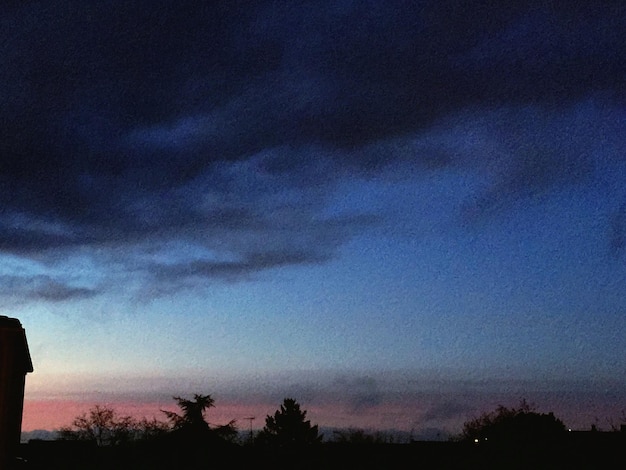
(7, 323)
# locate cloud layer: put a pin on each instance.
(194, 141)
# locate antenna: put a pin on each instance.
(250, 419)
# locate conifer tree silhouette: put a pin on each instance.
(289, 427)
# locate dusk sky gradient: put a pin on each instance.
(398, 213)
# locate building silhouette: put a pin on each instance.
(15, 363)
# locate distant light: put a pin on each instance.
(570, 429)
(476, 441)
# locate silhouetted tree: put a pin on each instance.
(289, 427)
(192, 415)
(102, 425)
(522, 425)
(228, 431)
(148, 429)
(191, 424)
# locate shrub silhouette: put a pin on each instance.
(519, 426)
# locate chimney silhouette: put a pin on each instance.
(15, 363)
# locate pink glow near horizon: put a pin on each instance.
(51, 414)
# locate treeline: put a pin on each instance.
(103, 426)
(518, 437)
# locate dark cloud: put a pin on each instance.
(445, 410)
(24, 240)
(42, 288)
(218, 122)
(237, 269)
(360, 393)
(526, 152)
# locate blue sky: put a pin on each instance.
(231, 192)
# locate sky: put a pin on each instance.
(401, 214)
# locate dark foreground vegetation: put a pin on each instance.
(508, 438)
(604, 450)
